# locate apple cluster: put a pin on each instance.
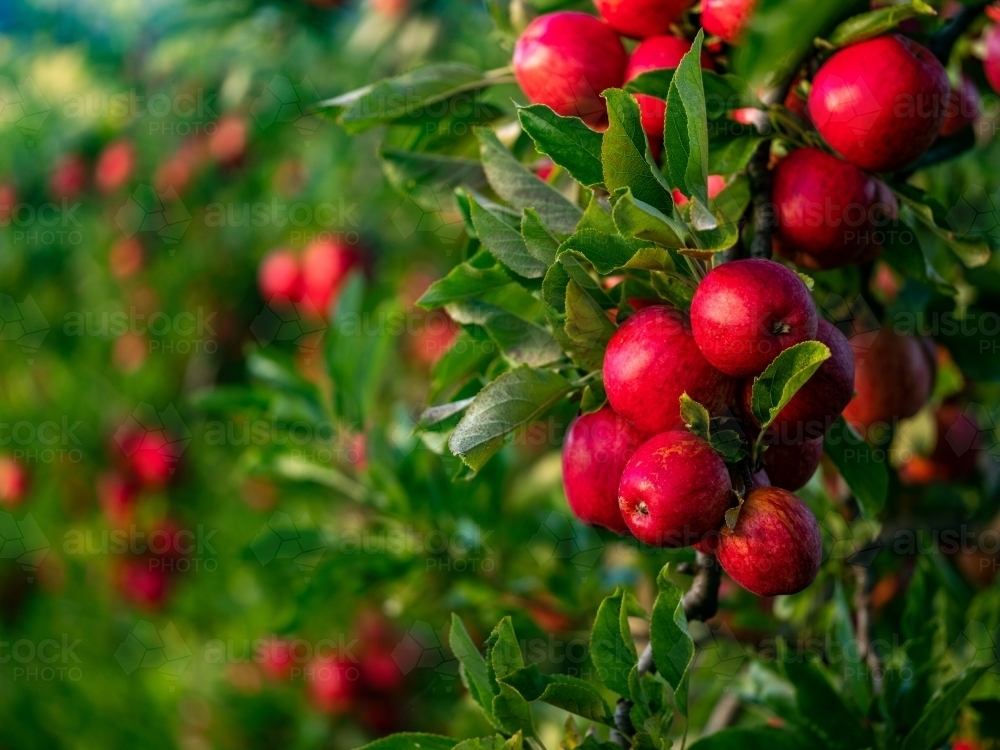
(312, 281)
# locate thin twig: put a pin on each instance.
(723, 714)
(863, 614)
(701, 601)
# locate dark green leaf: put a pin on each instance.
(611, 647)
(756, 738)
(429, 179)
(951, 228)
(774, 388)
(866, 475)
(696, 417)
(730, 146)
(685, 134)
(628, 162)
(673, 649)
(566, 140)
(823, 709)
(586, 323)
(498, 228)
(568, 693)
(472, 666)
(412, 741)
(541, 243)
(597, 216)
(520, 340)
(605, 251)
(876, 22)
(509, 402)
(633, 218)
(463, 281)
(939, 717)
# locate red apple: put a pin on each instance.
(727, 19)
(650, 361)
(380, 672)
(279, 275)
(8, 202)
(565, 60)
(641, 19)
(963, 107)
(675, 491)
(227, 143)
(276, 659)
(716, 184)
(143, 584)
(991, 60)
(711, 540)
(69, 177)
(333, 684)
(880, 103)
(818, 403)
(893, 379)
(955, 452)
(776, 546)
(150, 457)
(829, 212)
(114, 166)
(435, 335)
(125, 258)
(657, 53)
(325, 266)
(746, 312)
(14, 481)
(790, 465)
(596, 449)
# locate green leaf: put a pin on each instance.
(971, 249)
(498, 228)
(731, 146)
(496, 742)
(503, 657)
(696, 417)
(554, 287)
(595, 216)
(854, 673)
(774, 388)
(472, 666)
(566, 140)
(412, 741)
(938, 717)
(521, 341)
(406, 94)
(674, 289)
(877, 22)
(865, 474)
(541, 243)
(823, 709)
(586, 323)
(605, 251)
(780, 36)
(673, 649)
(723, 92)
(594, 397)
(464, 281)
(611, 647)
(512, 400)
(430, 179)
(633, 218)
(512, 711)
(685, 134)
(565, 692)
(521, 188)
(903, 251)
(628, 162)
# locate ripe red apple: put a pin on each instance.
(711, 540)
(69, 177)
(333, 684)
(379, 671)
(641, 19)
(650, 361)
(716, 184)
(125, 258)
(790, 465)
(279, 275)
(880, 103)
(818, 403)
(436, 334)
(117, 496)
(8, 202)
(594, 454)
(829, 212)
(955, 452)
(143, 584)
(675, 490)
(962, 109)
(14, 481)
(657, 53)
(114, 166)
(726, 18)
(893, 379)
(227, 143)
(746, 312)
(776, 546)
(565, 60)
(991, 60)
(325, 266)
(149, 457)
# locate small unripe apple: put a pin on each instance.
(893, 379)
(565, 60)
(595, 452)
(829, 212)
(650, 361)
(325, 266)
(227, 143)
(279, 275)
(818, 403)
(776, 547)
(991, 60)
(14, 481)
(657, 53)
(963, 107)
(746, 312)
(69, 177)
(790, 465)
(675, 491)
(727, 19)
(641, 19)
(333, 684)
(114, 166)
(880, 103)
